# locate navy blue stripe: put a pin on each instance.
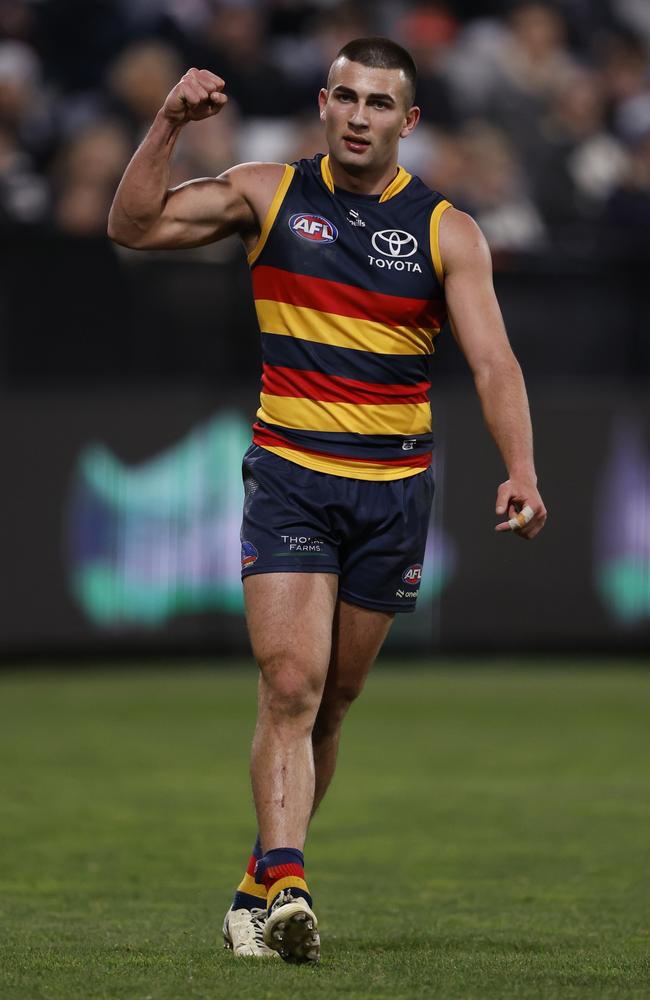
(364, 366)
(373, 448)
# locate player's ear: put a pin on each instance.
(411, 119)
(322, 102)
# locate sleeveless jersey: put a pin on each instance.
(349, 296)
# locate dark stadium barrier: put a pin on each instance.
(120, 527)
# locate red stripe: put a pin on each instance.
(344, 300)
(267, 438)
(276, 872)
(251, 866)
(280, 381)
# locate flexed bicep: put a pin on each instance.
(198, 212)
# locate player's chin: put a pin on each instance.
(352, 161)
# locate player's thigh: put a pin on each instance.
(358, 636)
(381, 568)
(289, 617)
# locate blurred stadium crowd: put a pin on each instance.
(536, 115)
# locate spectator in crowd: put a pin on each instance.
(85, 175)
(24, 194)
(494, 192)
(629, 205)
(26, 104)
(428, 31)
(233, 42)
(578, 163)
(627, 82)
(138, 82)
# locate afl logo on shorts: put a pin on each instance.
(413, 575)
(314, 228)
(249, 554)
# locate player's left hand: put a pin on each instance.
(524, 507)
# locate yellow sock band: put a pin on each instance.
(290, 882)
(251, 887)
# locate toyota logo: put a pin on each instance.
(394, 243)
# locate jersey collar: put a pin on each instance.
(398, 183)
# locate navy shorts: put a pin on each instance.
(371, 534)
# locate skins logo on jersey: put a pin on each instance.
(314, 228)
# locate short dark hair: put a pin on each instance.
(381, 53)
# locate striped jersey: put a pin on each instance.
(349, 296)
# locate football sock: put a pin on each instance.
(283, 870)
(251, 894)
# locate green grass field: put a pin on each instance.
(487, 836)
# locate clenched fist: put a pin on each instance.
(198, 95)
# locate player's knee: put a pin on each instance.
(290, 688)
(337, 702)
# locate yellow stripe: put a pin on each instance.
(341, 331)
(326, 173)
(274, 208)
(251, 887)
(344, 467)
(397, 184)
(290, 882)
(434, 229)
(407, 419)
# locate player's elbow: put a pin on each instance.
(126, 236)
(128, 232)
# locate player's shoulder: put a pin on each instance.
(461, 240)
(254, 175)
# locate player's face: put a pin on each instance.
(366, 111)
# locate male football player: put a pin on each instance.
(355, 265)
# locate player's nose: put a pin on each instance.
(357, 118)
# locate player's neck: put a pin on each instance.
(366, 183)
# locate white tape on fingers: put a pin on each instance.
(523, 518)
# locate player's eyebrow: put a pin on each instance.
(348, 92)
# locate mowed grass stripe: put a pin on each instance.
(486, 836)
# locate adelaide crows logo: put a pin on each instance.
(314, 228)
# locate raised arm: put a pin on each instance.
(479, 329)
(147, 215)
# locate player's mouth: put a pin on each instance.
(355, 143)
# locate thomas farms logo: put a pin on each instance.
(314, 228)
(413, 575)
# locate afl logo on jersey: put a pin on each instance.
(394, 243)
(314, 228)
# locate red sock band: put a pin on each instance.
(275, 872)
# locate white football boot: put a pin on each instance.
(291, 929)
(243, 933)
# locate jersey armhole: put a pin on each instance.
(271, 215)
(434, 230)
